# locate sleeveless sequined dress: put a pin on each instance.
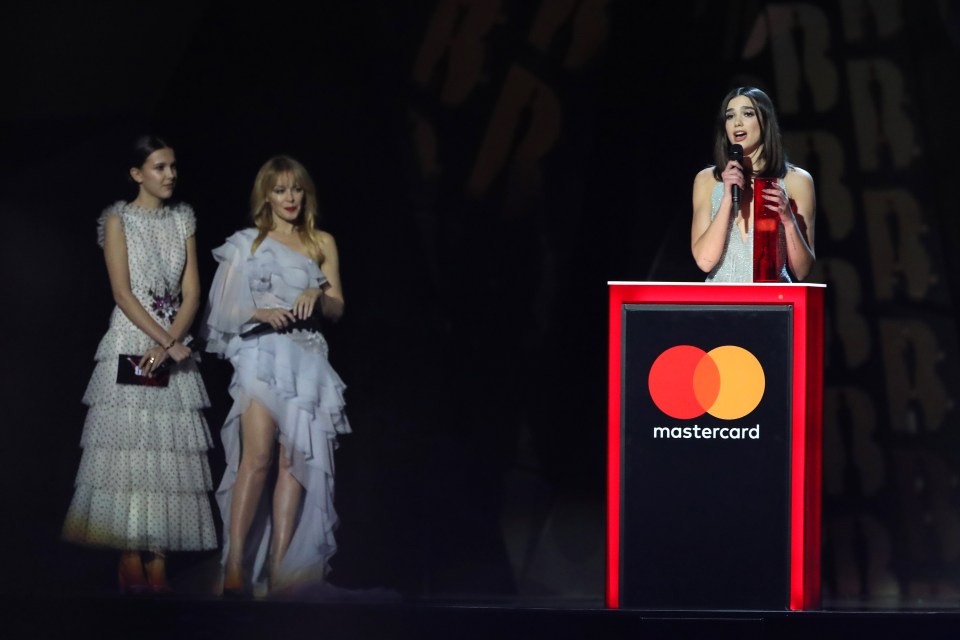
(288, 374)
(736, 263)
(144, 478)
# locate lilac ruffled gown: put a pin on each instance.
(290, 375)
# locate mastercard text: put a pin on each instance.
(707, 433)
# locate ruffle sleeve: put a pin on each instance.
(230, 304)
(186, 220)
(112, 210)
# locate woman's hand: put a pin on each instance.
(776, 200)
(277, 318)
(732, 175)
(179, 352)
(305, 303)
(151, 359)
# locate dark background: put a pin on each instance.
(481, 199)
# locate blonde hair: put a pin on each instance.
(262, 213)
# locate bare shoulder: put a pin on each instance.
(798, 177)
(325, 238)
(704, 183)
(705, 176)
(327, 246)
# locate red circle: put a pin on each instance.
(671, 382)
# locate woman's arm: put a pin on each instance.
(190, 293)
(332, 301)
(797, 216)
(709, 237)
(329, 294)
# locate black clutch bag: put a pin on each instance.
(129, 373)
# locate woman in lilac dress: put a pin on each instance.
(288, 400)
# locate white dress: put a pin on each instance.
(144, 479)
(288, 374)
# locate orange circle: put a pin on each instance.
(741, 382)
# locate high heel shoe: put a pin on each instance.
(233, 590)
(156, 571)
(130, 588)
(129, 580)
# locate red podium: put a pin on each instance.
(714, 446)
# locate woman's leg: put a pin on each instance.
(286, 504)
(130, 573)
(156, 566)
(257, 433)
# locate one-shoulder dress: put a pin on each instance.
(144, 479)
(289, 374)
(736, 263)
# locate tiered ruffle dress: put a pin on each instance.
(736, 263)
(289, 374)
(144, 479)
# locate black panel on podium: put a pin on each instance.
(706, 499)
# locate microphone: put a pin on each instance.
(258, 329)
(313, 323)
(736, 153)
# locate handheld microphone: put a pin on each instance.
(736, 153)
(257, 329)
(313, 323)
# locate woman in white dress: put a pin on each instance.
(288, 400)
(143, 481)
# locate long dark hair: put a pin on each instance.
(775, 163)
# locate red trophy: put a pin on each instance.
(767, 258)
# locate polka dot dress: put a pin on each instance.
(144, 479)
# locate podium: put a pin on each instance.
(714, 456)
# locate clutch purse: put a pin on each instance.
(129, 373)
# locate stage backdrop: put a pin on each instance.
(486, 167)
(864, 112)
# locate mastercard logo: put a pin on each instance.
(686, 382)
